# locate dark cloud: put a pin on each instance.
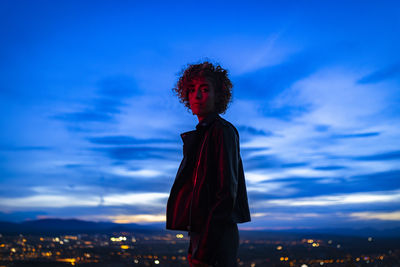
(253, 131)
(286, 112)
(111, 95)
(388, 180)
(322, 128)
(73, 166)
(254, 149)
(268, 82)
(139, 153)
(302, 187)
(269, 162)
(85, 116)
(262, 162)
(117, 184)
(119, 87)
(125, 140)
(356, 135)
(323, 186)
(14, 191)
(108, 105)
(329, 168)
(90, 184)
(388, 72)
(294, 164)
(391, 155)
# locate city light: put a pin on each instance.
(149, 250)
(118, 239)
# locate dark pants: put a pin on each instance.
(227, 248)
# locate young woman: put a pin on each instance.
(208, 197)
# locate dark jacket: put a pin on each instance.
(209, 191)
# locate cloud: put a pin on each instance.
(107, 102)
(388, 72)
(73, 166)
(48, 201)
(136, 173)
(268, 82)
(60, 201)
(294, 164)
(252, 130)
(329, 168)
(118, 87)
(136, 185)
(339, 199)
(391, 155)
(335, 100)
(138, 152)
(270, 189)
(86, 116)
(356, 135)
(273, 174)
(149, 199)
(125, 140)
(385, 180)
(137, 218)
(262, 162)
(318, 185)
(12, 191)
(283, 216)
(384, 216)
(255, 161)
(321, 128)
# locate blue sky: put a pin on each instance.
(90, 126)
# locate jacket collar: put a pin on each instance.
(207, 121)
(201, 126)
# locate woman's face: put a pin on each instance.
(201, 94)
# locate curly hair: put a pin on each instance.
(215, 74)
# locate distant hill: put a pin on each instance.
(74, 226)
(361, 232)
(306, 233)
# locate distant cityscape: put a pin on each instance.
(167, 248)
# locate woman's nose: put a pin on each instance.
(198, 94)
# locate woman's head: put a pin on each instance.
(215, 74)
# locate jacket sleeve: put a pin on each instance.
(225, 147)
